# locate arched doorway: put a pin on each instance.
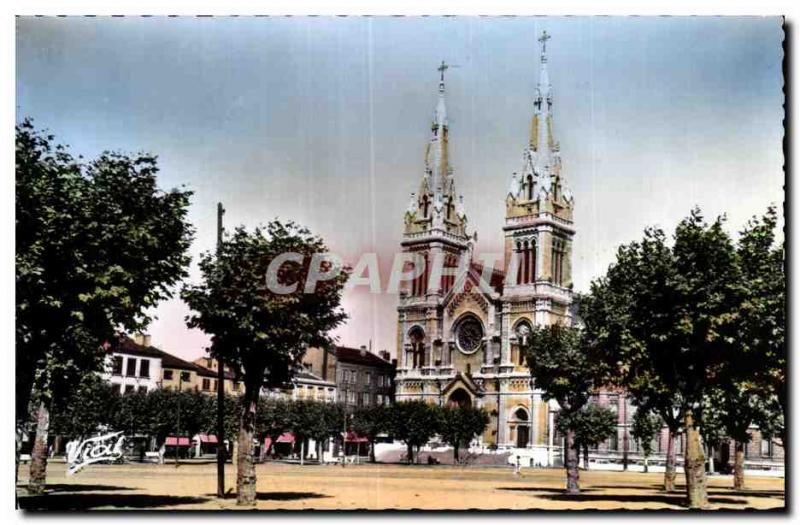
(460, 398)
(522, 422)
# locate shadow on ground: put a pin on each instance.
(68, 487)
(637, 498)
(538, 489)
(712, 491)
(278, 496)
(92, 501)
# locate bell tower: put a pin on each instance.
(435, 233)
(538, 225)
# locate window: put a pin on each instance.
(168, 375)
(369, 378)
(351, 398)
(379, 399)
(365, 399)
(129, 389)
(131, 368)
(144, 368)
(186, 376)
(206, 384)
(557, 261)
(214, 385)
(766, 447)
(116, 365)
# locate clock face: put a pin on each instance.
(469, 335)
(523, 330)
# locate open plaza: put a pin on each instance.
(283, 486)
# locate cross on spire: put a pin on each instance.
(442, 68)
(543, 39)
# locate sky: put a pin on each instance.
(324, 121)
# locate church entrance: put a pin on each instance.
(460, 398)
(523, 436)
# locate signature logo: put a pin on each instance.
(101, 448)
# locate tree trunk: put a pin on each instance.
(669, 466)
(455, 455)
(738, 466)
(372, 451)
(585, 457)
(694, 466)
(645, 465)
(302, 451)
(571, 464)
(245, 468)
(410, 454)
(38, 473)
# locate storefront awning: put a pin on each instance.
(181, 442)
(208, 438)
(352, 437)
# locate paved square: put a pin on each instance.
(375, 487)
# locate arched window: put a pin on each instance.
(425, 205)
(417, 337)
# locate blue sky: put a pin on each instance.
(325, 120)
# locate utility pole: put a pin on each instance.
(624, 397)
(221, 452)
(178, 432)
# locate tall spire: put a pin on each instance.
(437, 162)
(542, 125)
(437, 206)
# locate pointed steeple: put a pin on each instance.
(437, 162)
(542, 124)
(437, 199)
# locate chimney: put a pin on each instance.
(141, 339)
(384, 355)
(363, 350)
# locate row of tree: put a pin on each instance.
(693, 330)
(95, 406)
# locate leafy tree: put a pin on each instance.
(414, 423)
(273, 419)
(88, 409)
(664, 328)
(760, 322)
(370, 422)
(97, 245)
(261, 319)
(460, 425)
(315, 420)
(592, 425)
(645, 429)
(562, 366)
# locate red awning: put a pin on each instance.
(208, 438)
(352, 437)
(286, 437)
(181, 442)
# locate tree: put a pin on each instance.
(414, 423)
(562, 366)
(460, 425)
(273, 419)
(315, 420)
(97, 245)
(370, 422)
(663, 329)
(760, 322)
(591, 425)
(87, 411)
(645, 429)
(262, 309)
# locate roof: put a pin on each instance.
(126, 345)
(497, 279)
(360, 357)
(306, 376)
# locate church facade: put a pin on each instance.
(460, 322)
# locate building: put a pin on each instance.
(459, 329)
(362, 378)
(208, 376)
(133, 365)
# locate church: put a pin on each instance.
(460, 323)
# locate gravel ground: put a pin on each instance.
(377, 487)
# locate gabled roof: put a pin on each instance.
(126, 345)
(357, 356)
